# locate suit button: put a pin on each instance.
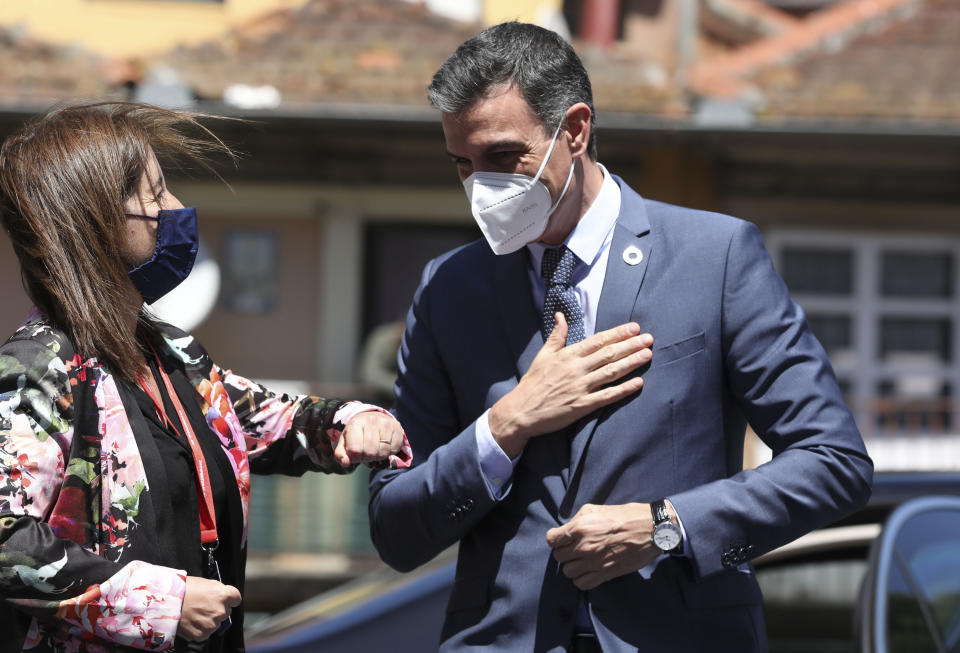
(468, 504)
(750, 549)
(742, 553)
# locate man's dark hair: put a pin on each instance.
(542, 66)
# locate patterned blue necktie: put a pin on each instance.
(557, 269)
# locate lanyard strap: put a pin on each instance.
(208, 519)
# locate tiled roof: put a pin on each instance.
(906, 69)
(744, 20)
(623, 83)
(828, 31)
(873, 59)
(379, 52)
(328, 51)
(884, 59)
(35, 73)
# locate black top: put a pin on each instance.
(178, 531)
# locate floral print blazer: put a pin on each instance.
(72, 485)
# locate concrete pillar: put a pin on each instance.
(341, 274)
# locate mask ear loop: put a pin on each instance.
(565, 187)
(553, 143)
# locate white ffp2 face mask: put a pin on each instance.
(512, 209)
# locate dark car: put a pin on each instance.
(884, 580)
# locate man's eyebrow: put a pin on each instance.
(505, 145)
(498, 146)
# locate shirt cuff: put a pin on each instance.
(496, 466)
(400, 460)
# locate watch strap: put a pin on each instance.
(659, 510)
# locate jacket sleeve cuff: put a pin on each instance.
(400, 460)
(139, 606)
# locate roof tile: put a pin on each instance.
(38, 73)
(380, 51)
(905, 69)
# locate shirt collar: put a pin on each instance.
(591, 233)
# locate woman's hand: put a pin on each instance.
(206, 604)
(369, 436)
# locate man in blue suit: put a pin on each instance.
(576, 388)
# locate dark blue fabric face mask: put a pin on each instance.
(173, 258)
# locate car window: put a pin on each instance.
(927, 557)
(915, 601)
(906, 625)
(809, 604)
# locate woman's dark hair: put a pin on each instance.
(543, 67)
(64, 177)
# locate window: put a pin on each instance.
(250, 271)
(921, 340)
(833, 331)
(917, 274)
(395, 255)
(809, 604)
(906, 630)
(885, 310)
(924, 590)
(914, 588)
(818, 270)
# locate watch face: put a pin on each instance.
(666, 536)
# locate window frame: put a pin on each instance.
(864, 369)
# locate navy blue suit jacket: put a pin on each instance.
(731, 348)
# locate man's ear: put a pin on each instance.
(577, 127)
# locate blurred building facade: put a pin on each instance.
(835, 126)
(134, 28)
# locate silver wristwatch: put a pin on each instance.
(666, 535)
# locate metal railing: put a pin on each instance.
(911, 417)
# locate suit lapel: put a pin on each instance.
(520, 317)
(621, 287)
(622, 281)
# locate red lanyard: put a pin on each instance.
(208, 519)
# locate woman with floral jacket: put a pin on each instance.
(125, 452)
